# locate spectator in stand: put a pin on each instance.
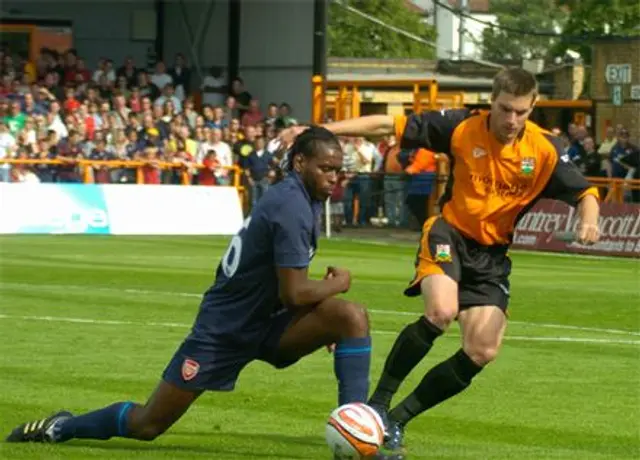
(258, 170)
(230, 109)
(169, 96)
(71, 104)
(210, 169)
(23, 173)
(161, 78)
(224, 155)
(285, 119)
(105, 89)
(15, 119)
(129, 71)
(244, 148)
(253, 116)
(181, 76)
(576, 151)
(393, 186)
(150, 171)
(631, 161)
(101, 174)
(361, 156)
(70, 152)
(620, 150)
(272, 114)
(146, 88)
(590, 163)
(241, 95)
(105, 67)
(8, 148)
(190, 112)
(214, 88)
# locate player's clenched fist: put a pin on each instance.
(342, 276)
(588, 234)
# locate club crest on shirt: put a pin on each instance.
(443, 253)
(479, 152)
(190, 369)
(528, 166)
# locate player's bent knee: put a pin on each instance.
(481, 354)
(148, 432)
(348, 318)
(441, 316)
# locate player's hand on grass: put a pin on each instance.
(588, 233)
(342, 276)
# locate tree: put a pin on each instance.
(590, 19)
(507, 41)
(352, 36)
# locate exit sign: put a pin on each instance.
(618, 74)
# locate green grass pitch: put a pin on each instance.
(87, 321)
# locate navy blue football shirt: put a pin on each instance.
(282, 231)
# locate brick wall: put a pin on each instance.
(568, 82)
(618, 52)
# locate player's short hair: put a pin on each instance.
(312, 141)
(516, 81)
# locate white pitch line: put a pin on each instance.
(381, 312)
(62, 319)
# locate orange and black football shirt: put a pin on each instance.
(491, 186)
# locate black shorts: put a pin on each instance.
(482, 272)
(203, 362)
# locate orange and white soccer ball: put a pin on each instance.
(354, 431)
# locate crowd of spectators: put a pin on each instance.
(615, 157)
(58, 109)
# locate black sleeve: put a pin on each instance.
(566, 182)
(632, 159)
(432, 129)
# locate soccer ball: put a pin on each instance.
(354, 431)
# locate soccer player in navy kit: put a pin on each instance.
(262, 306)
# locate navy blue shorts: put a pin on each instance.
(202, 363)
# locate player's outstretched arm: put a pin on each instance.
(589, 212)
(367, 126)
(371, 125)
(298, 291)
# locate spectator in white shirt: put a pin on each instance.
(161, 78)
(223, 153)
(214, 88)
(105, 67)
(7, 150)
